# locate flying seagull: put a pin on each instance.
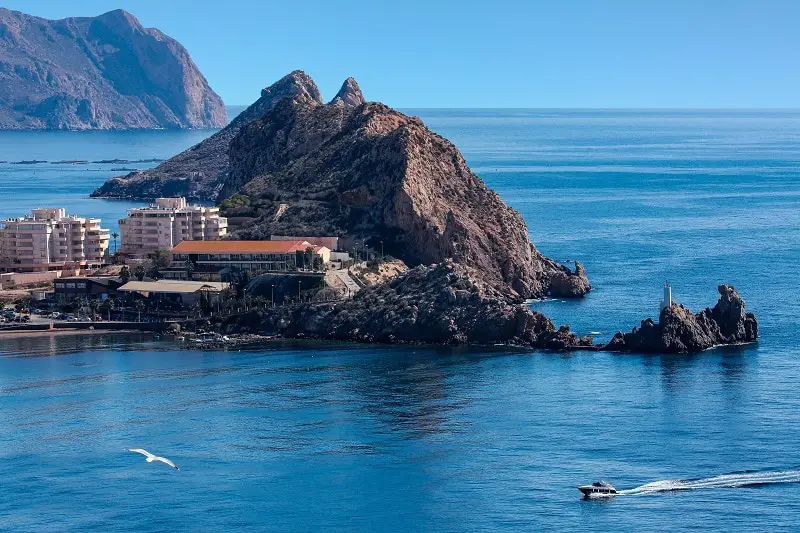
(151, 457)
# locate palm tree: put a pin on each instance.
(140, 305)
(115, 235)
(189, 267)
(140, 272)
(94, 305)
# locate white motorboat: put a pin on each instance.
(598, 489)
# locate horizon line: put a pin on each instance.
(586, 108)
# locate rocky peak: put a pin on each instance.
(296, 84)
(349, 95)
(293, 84)
(119, 18)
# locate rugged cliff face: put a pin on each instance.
(366, 170)
(357, 169)
(678, 330)
(436, 304)
(199, 173)
(105, 72)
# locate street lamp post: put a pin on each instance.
(272, 298)
(382, 250)
(245, 299)
(299, 282)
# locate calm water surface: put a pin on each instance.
(334, 437)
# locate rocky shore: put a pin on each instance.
(446, 304)
(678, 330)
(443, 303)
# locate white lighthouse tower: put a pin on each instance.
(666, 301)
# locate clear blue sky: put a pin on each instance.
(442, 53)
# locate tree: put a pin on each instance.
(308, 260)
(106, 306)
(237, 200)
(125, 274)
(152, 270)
(189, 267)
(140, 305)
(162, 258)
(94, 305)
(115, 236)
(205, 304)
(139, 272)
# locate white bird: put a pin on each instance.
(151, 457)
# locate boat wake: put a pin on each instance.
(738, 479)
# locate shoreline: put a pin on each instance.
(62, 332)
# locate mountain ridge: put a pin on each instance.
(103, 72)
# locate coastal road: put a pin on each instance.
(348, 281)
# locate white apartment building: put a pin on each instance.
(167, 223)
(50, 239)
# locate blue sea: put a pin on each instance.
(339, 437)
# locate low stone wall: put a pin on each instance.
(21, 279)
(25, 327)
(138, 326)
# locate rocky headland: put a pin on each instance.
(299, 166)
(104, 72)
(678, 330)
(294, 165)
(445, 303)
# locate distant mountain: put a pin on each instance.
(105, 72)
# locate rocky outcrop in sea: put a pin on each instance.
(678, 330)
(445, 303)
(104, 72)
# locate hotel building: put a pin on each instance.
(49, 239)
(167, 223)
(211, 258)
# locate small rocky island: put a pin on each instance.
(104, 72)
(678, 330)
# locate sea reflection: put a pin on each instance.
(412, 391)
(44, 345)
